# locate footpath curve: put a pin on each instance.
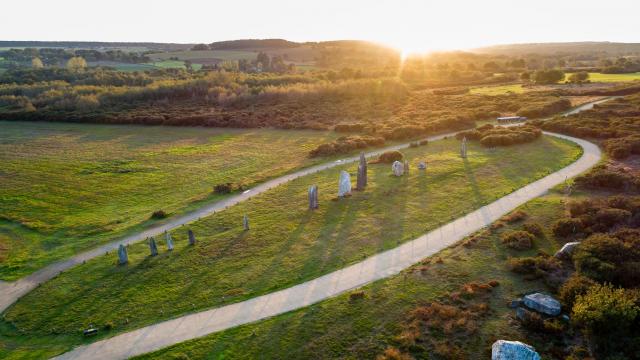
(385, 264)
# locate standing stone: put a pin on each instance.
(153, 247)
(123, 257)
(567, 250)
(463, 148)
(513, 350)
(406, 167)
(192, 238)
(245, 223)
(397, 168)
(361, 181)
(169, 240)
(344, 186)
(313, 197)
(422, 165)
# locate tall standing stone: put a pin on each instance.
(313, 197)
(123, 257)
(192, 237)
(361, 181)
(463, 148)
(406, 167)
(245, 223)
(397, 168)
(153, 247)
(344, 185)
(169, 240)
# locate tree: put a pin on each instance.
(200, 47)
(548, 76)
(36, 63)
(579, 77)
(76, 63)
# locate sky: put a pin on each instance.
(409, 25)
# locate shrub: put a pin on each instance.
(610, 316)
(389, 157)
(542, 266)
(611, 257)
(392, 353)
(225, 188)
(602, 177)
(159, 214)
(346, 144)
(357, 127)
(567, 227)
(356, 295)
(515, 216)
(534, 228)
(519, 240)
(574, 286)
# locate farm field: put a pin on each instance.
(229, 265)
(214, 54)
(67, 187)
(365, 327)
(599, 77)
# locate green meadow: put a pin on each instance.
(365, 327)
(68, 187)
(287, 243)
(599, 77)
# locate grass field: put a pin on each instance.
(598, 77)
(67, 187)
(287, 244)
(497, 90)
(364, 328)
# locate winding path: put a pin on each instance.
(376, 267)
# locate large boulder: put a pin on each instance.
(513, 350)
(567, 250)
(543, 303)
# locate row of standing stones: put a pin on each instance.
(500, 350)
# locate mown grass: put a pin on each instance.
(497, 90)
(364, 328)
(287, 243)
(599, 77)
(67, 187)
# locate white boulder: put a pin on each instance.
(513, 350)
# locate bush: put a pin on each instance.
(611, 258)
(159, 214)
(346, 144)
(610, 316)
(519, 240)
(225, 188)
(574, 286)
(534, 228)
(515, 216)
(602, 177)
(567, 227)
(389, 157)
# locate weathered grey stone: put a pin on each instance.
(406, 167)
(245, 223)
(543, 303)
(361, 180)
(422, 165)
(565, 318)
(169, 240)
(397, 168)
(463, 148)
(153, 247)
(567, 250)
(192, 237)
(513, 350)
(344, 186)
(313, 197)
(123, 257)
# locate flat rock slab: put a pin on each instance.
(513, 350)
(543, 303)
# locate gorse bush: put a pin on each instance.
(389, 157)
(346, 144)
(519, 240)
(491, 136)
